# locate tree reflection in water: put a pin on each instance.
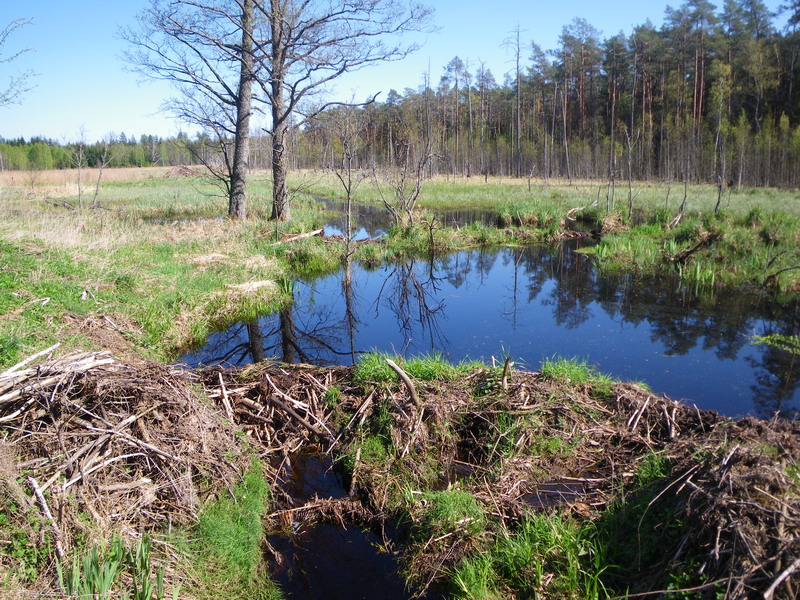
(534, 303)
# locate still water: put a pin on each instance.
(535, 303)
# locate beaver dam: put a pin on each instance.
(474, 481)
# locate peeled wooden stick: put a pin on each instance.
(30, 359)
(46, 509)
(781, 578)
(300, 236)
(287, 408)
(225, 401)
(406, 380)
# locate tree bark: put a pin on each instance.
(241, 148)
(280, 193)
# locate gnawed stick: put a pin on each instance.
(300, 236)
(46, 509)
(781, 578)
(406, 380)
(506, 369)
(96, 443)
(28, 360)
(225, 400)
(300, 419)
(327, 433)
(77, 478)
(293, 401)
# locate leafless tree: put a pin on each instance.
(404, 183)
(346, 126)
(103, 161)
(20, 83)
(205, 48)
(78, 160)
(311, 43)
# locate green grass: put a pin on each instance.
(173, 281)
(227, 543)
(546, 556)
(372, 368)
(652, 467)
(572, 371)
(475, 579)
(445, 512)
(793, 471)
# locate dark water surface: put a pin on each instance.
(535, 303)
(330, 562)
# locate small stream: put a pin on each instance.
(321, 560)
(533, 303)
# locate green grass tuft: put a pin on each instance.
(574, 371)
(228, 542)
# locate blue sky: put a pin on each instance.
(82, 80)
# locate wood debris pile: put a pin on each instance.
(128, 445)
(548, 447)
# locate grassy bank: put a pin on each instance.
(752, 237)
(157, 265)
(161, 268)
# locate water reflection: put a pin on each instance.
(371, 222)
(535, 303)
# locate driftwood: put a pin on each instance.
(300, 236)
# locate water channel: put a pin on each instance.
(534, 303)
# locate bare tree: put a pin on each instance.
(347, 126)
(309, 45)
(78, 160)
(103, 161)
(20, 83)
(405, 183)
(205, 48)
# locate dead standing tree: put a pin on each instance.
(205, 49)
(404, 183)
(312, 43)
(346, 126)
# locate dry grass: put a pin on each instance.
(67, 178)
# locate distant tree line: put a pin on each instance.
(712, 95)
(121, 151)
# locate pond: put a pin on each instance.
(535, 303)
(371, 222)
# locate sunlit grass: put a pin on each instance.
(372, 368)
(573, 371)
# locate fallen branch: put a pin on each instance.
(49, 515)
(299, 236)
(706, 239)
(29, 360)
